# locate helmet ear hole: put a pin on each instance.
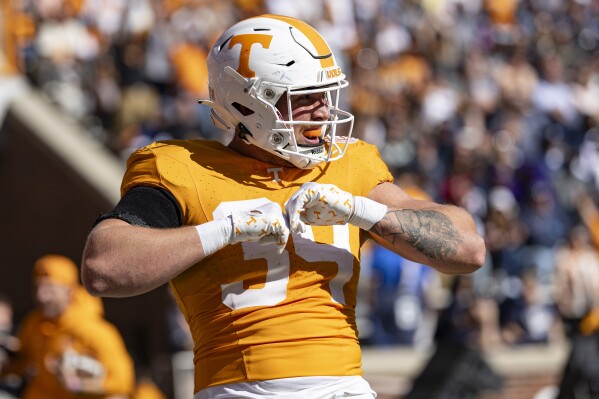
(242, 131)
(245, 111)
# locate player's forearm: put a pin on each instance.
(441, 236)
(123, 260)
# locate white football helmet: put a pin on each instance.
(257, 61)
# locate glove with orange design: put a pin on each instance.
(326, 204)
(264, 224)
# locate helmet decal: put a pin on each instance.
(247, 41)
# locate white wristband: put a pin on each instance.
(366, 212)
(215, 235)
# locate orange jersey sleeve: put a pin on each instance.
(255, 314)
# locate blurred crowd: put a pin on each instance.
(489, 105)
(492, 106)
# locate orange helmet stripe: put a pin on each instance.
(322, 48)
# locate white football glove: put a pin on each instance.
(326, 204)
(264, 224)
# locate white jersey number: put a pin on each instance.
(235, 296)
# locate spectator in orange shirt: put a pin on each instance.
(67, 348)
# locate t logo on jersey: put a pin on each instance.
(247, 41)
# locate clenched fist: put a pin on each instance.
(264, 223)
(326, 204)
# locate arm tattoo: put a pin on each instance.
(429, 232)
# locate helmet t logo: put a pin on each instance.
(247, 41)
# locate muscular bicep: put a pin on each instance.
(108, 223)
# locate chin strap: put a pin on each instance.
(302, 162)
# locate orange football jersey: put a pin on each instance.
(255, 314)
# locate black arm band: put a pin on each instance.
(148, 207)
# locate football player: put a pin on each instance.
(260, 239)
